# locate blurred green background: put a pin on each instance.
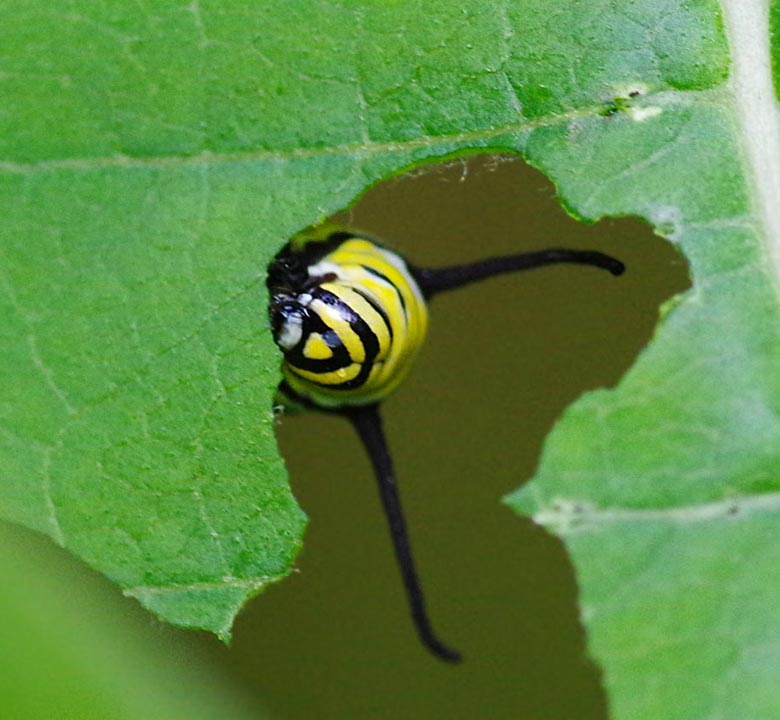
(502, 362)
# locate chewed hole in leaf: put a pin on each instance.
(502, 361)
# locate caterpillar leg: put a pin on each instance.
(436, 280)
(368, 424)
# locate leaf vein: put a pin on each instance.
(356, 150)
(253, 583)
(569, 516)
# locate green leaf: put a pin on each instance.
(84, 654)
(666, 488)
(152, 159)
(774, 35)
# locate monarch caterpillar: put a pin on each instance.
(349, 316)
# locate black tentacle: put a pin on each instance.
(436, 280)
(368, 424)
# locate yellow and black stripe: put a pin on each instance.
(348, 316)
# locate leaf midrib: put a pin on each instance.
(757, 111)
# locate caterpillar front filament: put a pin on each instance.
(349, 316)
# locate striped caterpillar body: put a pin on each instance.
(349, 317)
